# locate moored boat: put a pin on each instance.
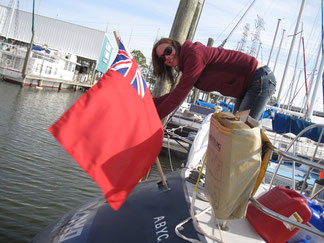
(44, 63)
(180, 211)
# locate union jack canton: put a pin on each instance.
(123, 63)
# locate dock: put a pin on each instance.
(55, 83)
(44, 82)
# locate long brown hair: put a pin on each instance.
(160, 69)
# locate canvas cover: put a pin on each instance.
(233, 165)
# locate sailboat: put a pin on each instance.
(183, 210)
(190, 207)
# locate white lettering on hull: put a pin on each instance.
(161, 229)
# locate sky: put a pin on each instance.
(140, 23)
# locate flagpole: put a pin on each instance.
(157, 161)
(117, 37)
(159, 167)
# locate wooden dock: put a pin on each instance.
(37, 81)
(54, 83)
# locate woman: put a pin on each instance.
(231, 73)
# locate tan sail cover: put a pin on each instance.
(233, 165)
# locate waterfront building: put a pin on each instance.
(61, 50)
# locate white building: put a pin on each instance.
(74, 44)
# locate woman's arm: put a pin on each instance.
(193, 67)
(159, 100)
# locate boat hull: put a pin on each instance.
(150, 214)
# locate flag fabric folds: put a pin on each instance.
(113, 131)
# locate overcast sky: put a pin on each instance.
(141, 22)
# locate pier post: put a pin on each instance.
(40, 83)
(179, 31)
(25, 64)
(60, 86)
(195, 90)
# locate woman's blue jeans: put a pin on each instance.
(261, 89)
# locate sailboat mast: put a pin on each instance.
(320, 70)
(292, 83)
(305, 72)
(311, 90)
(274, 40)
(224, 42)
(290, 51)
(24, 68)
(283, 34)
(318, 80)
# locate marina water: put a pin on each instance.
(39, 181)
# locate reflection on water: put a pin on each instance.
(39, 181)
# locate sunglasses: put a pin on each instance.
(167, 51)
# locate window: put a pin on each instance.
(48, 70)
(18, 63)
(38, 68)
(66, 65)
(108, 47)
(283, 146)
(69, 66)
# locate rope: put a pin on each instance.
(186, 221)
(169, 152)
(224, 42)
(170, 130)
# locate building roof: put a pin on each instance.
(56, 34)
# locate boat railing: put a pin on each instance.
(282, 154)
(282, 110)
(311, 164)
(285, 219)
(308, 162)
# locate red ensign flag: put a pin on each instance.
(113, 131)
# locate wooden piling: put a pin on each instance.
(40, 83)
